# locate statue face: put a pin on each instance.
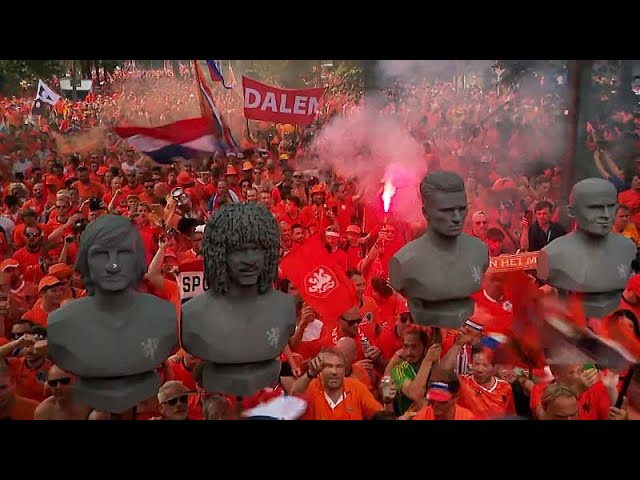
(112, 268)
(446, 212)
(246, 264)
(594, 210)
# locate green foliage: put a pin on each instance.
(13, 72)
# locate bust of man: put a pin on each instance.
(439, 271)
(240, 325)
(591, 261)
(115, 338)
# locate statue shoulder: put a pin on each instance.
(620, 242)
(197, 304)
(280, 298)
(469, 241)
(70, 310)
(560, 244)
(151, 302)
(408, 252)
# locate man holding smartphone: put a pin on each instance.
(537, 235)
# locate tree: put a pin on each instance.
(13, 72)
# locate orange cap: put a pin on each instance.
(354, 229)
(48, 281)
(60, 270)
(231, 170)
(9, 263)
(247, 166)
(319, 188)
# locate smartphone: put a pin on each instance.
(529, 216)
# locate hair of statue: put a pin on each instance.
(109, 231)
(232, 227)
(441, 181)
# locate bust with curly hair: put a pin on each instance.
(116, 337)
(240, 325)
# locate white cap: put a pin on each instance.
(200, 229)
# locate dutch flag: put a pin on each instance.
(185, 139)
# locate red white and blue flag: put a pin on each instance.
(216, 74)
(221, 131)
(184, 138)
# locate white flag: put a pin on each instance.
(46, 94)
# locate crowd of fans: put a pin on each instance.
(379, 365)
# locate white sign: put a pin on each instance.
(192, 284)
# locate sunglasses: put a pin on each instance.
(174, 401)
(297, 176)
(352, 323)
(481, 223)
(32, 235)
(61, 381)
(17, 335)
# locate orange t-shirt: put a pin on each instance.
(37, 205)
(389, 342)
(23, 408)
(28, 261)
(491, 402)
(194, 406)
(461, 413)
(85, 192)
(169, 292)
(357, 403)
(37, 315)
(354, 257)
(180, 373)
(29, 381)
(370, 313)
(361, 374)
(631, 199)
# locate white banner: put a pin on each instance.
(192, 284)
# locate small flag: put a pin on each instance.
(216, 74)
(45, 94)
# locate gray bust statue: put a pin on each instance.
(240, 325)
(591, 260)
(115, 338)
(438, 271)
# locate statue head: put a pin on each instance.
(593, 204)
(444, 202)
(241, 245)
(111, 256)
